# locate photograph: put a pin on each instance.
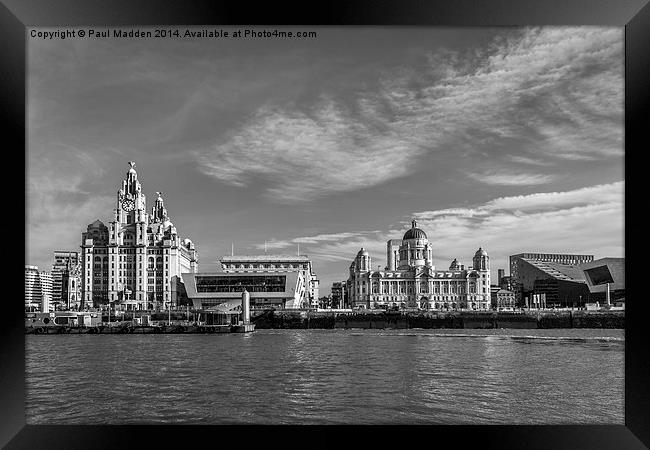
(325, 225)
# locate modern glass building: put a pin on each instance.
(267, 290)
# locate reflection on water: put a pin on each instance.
(329, 376)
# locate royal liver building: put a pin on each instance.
(410, 280)
(136, 260)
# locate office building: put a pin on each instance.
(338, 295)
(66, 279)
(410, 279)
(500, 274)
(134, 259)
(38, 289)
(268, 290)
(273, 264)
(503, 298)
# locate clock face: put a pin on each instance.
(128, 205)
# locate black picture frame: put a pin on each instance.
(16, 15)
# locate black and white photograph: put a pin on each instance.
(325, 225)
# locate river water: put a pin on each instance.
(562, 376)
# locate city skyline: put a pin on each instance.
(506, 139)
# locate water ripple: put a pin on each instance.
(329, 377)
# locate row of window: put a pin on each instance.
(415, 254)
(128, 251)
(264, 266)
(436, 298)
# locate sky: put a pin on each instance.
(507, 138)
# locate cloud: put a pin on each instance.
(538, 95)
(305, 155)
(318, 239)
(511, 179)
(61, 200)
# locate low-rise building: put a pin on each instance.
(279, 290)
(273, 264)
(504, 298)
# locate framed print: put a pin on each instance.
(295, 223)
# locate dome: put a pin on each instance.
(414, 232)
(363, 252)
(480, 252)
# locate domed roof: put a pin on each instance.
(480, 252)
(363, 252)
(414, 232)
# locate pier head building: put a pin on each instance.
(134, 260)
(273, 281)
(277, 264)
(410, 280)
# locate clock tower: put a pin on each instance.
(127, 242)
(137, 260)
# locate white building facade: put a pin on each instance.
(278, 264)
(410, 280)
(38, 289)
(133, 260)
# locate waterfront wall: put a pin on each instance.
(456, 319)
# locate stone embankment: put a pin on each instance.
(455, 319)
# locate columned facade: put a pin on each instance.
(410, 279)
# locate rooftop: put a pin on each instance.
(246, 258)
(560, 271)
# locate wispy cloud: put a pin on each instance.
(319, 239)
(511, 179)
(307, 154)
(59, 196)
(538, 94)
